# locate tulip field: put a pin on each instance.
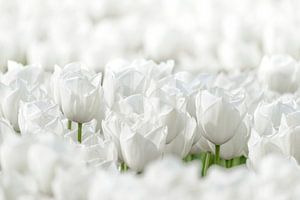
(149, 99)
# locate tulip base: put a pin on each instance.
(217, 154)
(69, 124)
(123, 167)
(205, 163)
(228, 163)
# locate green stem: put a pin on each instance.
(243, 160)
(235, 161)
(189, 158)
(79, 132)
(230, 162)
(205, 164)
(123, 167)
(69, 124)
(217, 152)
(227, 163)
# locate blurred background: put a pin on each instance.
(200, 35)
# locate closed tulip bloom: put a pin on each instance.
(6, 130)
(99, 152)
(173, 119)
(238, 145)
(39, 117)
(55, 85)
(219, 113)
(32, 75)
(139, 147)
(111, 127)
(122, 79)
(10, 99)
(281, 73)
(261, 146)
(267, 116)
(79, 92)
(288, 135)
(182, 144)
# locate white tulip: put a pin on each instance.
(111, 127)
(181, 145)
(10, 99)
(280, 73)
(219, 113)
(238, 145)
(202, 145)
(79, 93)
(140, 147)
(32, 75)
(123, 80)
(55, 85)
(267, 116)
(287, 137)
(261, 146)
(99, 152)
(40, 116)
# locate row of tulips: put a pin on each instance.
(140, 112)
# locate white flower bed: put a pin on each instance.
(171, 99)
(71, 135)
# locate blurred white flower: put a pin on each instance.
(14, 154)
(73, 183)
(281, 73)
(239, 54)
(261, 146)
(287, 137)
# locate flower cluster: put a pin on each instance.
(78, 134)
